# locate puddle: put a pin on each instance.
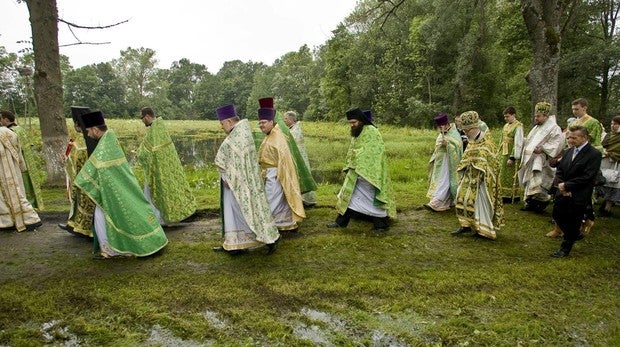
(324, 317)
(161, 336)
(54, 333)
(322, 333)
(380, 338)
(214, 319)
(199, 152)
(330, 328)
(312, 333)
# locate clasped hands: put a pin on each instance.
(563, 191)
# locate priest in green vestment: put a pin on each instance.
(367, 191)
(165, 184)
(247, 222)
(594, 127)
(510, 151)
(32, 185)
(82, 209)
(125, 224)
(443, 180)
(479, 205)
(294, 125)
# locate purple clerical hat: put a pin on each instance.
(441, 119)
(92, 119)
(225, 112)
(266, 113)
(368, 114)
(266, 102)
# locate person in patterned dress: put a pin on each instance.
(367, 191)
(479, 205)
(443, 180)
(510, 150)
(165, 185)
(32, 184)
(247, 222)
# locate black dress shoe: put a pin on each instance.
(218, 249)
(68, 228)
(460, 231)
(237, 251)
(604, 213)
(509, 200)
(541, 206)
(272, 247)
(334, 225)
(561, 253)
(527, 207)
(32, 227)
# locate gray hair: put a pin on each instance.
(292, 115)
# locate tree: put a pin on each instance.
(110, 90)
(263, 84)
(334, 86)
(292, 79)
(48, 86)
(11, 95)
(184, 76)
(208, 96)
(514, 49)
(542, 19)
(137, 69)
(96, 86)
(235, 78)
(579, 64)
(81, 86)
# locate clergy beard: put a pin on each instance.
(475, 136)
(356, 131)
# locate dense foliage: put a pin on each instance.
(405, 60)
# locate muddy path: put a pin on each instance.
(32, 253)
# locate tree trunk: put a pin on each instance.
(48, 86)
(542, 19)
(603, 109)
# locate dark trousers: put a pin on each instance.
(568, 216)
(378, 222)
(589, 211)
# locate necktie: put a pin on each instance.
(575, 153)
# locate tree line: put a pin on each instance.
(405, 60)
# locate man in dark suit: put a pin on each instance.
(575, 176)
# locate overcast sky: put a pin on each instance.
(204, 31)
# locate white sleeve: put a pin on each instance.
(518, 148)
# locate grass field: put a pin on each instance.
(415, 285)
